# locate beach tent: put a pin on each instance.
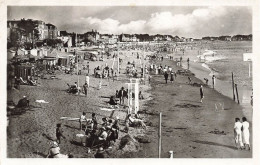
(63, 61)
(247, 56)
(209, 53)
(24, 71)
(31, 57)
(34, 52)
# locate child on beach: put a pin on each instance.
(189, 80)
(206, 81)
(59, 133)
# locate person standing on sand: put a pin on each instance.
(188, 62)
(171, 77)
(88, 67)
(201, 93)
(81, 119)
(238, 134)
(85, 89)
(245, 133)
(166, 76)
(213, 81)
(94, 122)
(112, 72)
(121, 95)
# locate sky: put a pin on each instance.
(184, 21)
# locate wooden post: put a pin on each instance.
(130, 96)
(118, 65)
(249, 70)
(234, 98)
(143, 62)
(237, 94)
(113, 63)
(77, 57)
(159, 135)
(136, 96)
(128, 100)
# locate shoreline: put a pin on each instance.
(224, 88)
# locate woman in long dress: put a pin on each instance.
(245, 133)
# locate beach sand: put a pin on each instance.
(185, 127)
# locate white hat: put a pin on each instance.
(117, 117)
(24, 96)
(54, 144)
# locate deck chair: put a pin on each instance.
(23, 82)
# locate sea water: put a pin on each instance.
(227, 58)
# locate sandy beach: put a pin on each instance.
(189, 128)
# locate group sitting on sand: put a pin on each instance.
(30, 81)
(96, 135)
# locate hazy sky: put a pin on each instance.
(186, 21)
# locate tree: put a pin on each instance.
(29, 29)
(52, 42)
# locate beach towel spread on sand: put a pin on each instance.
(41, 101)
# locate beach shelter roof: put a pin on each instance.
(21, 52)
(10, 54)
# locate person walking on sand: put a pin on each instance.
(238, 134)
(201, 93)
(166, 76)
(245, 133)
(213, 81)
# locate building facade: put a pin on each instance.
(52, 31)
